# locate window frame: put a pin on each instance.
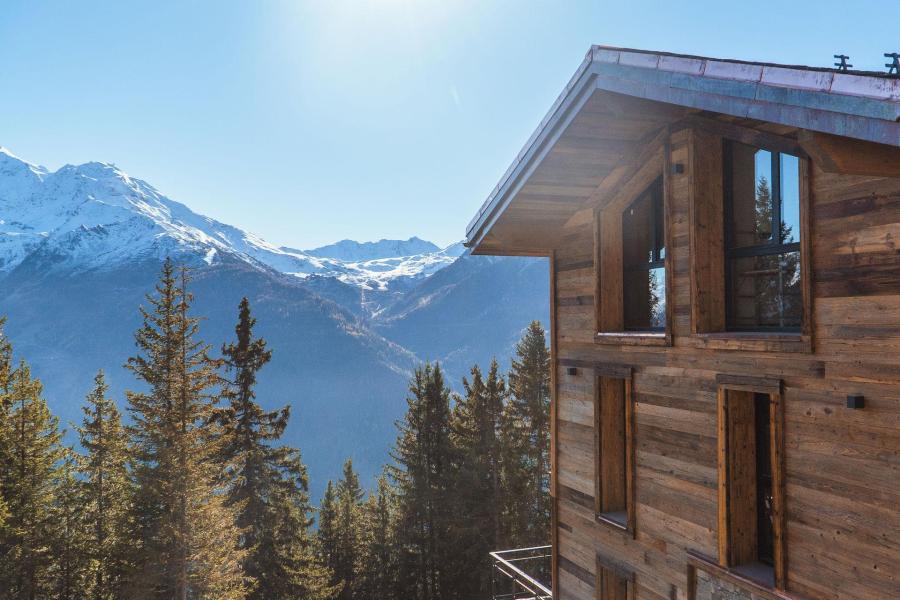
(706, 172)
(608, 268)
(659, 252)
(626, 375)
(732, 548)
(607, 567)
(771, 249)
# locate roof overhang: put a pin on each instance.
(620, 99)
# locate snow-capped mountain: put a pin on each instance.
(352, 251)
(96, 216)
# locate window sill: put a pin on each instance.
(756, 579)
(753, 342)
(633, 338)
(616, 520)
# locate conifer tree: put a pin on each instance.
(266, 484)
(327, 534)
(70, 536)
(5, 430)
(28, 482)
(107, 492)
(526, 440)
(378, 576)
(187, 537)
(477, 529)
(347, 554)
(423, 457)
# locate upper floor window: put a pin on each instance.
(762, 240)
(643, 261)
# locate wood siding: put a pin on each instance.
(841, 466)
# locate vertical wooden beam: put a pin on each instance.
(612, 316)
(598, 279)
(613, 451)
(742, 529)
(667, 228)
(806, 262)
(630, 460)
(722, 471)
(776, 424)
(707, 224)
(554, 434)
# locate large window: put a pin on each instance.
(762, 240)
(643, 261)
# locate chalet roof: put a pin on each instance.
(852, 104)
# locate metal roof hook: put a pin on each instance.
(893, 67)
(842, 65)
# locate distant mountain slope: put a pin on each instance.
(469, 312)
(347, 384)
(352, 251)
(79, 248)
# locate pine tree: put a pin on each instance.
(28, 482)
(342, 532)
(475, 428)
(327, 534)
(378, 577)
(423, 456)
(347, 555)
(187, 538)
(70, 536)
(6, 369)
(266, 484)
(526, 440)
(107, 492)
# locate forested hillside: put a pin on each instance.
(351, 320)
(197, 495)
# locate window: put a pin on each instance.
(750, 501)
(614, 456)
(643, 261)
(765, 516)
(762, 240)
(611, 585)
(614, 581)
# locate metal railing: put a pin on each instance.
(517, 574)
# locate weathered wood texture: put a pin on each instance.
(841, 466)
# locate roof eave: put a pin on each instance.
(808, 99)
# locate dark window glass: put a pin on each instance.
(643, 261)
(765, 518)
(762, 239)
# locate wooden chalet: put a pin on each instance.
(724, 242)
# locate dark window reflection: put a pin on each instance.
(643, 261)
(762, 230)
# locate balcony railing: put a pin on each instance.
(518, 574)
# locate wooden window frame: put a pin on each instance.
(700, 562)
(707, 240)
(608, 270)
(626, 375)
(727, 544)
(606, 566)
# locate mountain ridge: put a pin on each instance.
(99, 216)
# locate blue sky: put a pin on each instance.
(308, 122)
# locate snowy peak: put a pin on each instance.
(94, 216)
(352, 251)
